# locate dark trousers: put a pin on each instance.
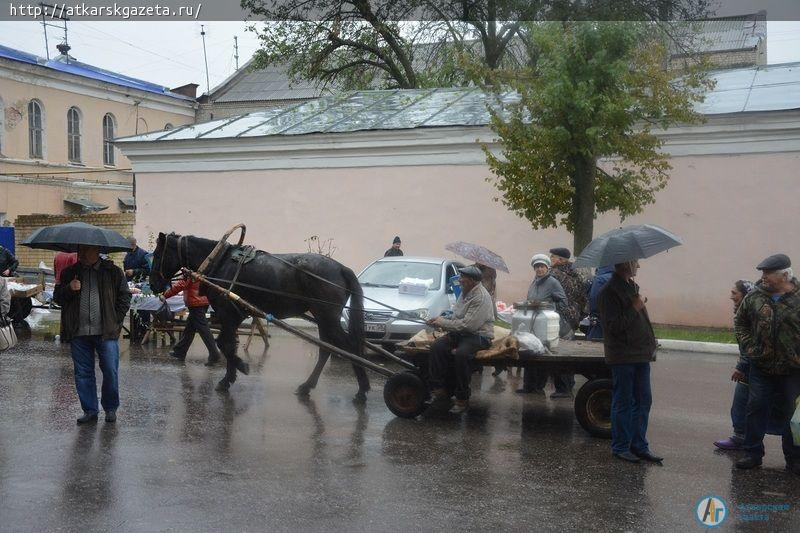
(630, 407)
(83, 350)
(769, 391)
(741, 395)
(451, 362)
(536, 379)
(197, 323)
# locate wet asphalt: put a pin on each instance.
(183, 457)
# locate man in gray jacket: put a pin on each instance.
(470, 329)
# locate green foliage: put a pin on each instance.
(596, 91)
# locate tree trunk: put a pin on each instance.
(583, 203)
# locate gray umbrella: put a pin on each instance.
(627, 244)
(67, 237)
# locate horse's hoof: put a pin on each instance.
(222, 386)
(243, 367)
(303, 390)
(360, 397)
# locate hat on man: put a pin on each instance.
(471, 272)
(396, 240)
(561, 252)
(775, 262)
(543, 259)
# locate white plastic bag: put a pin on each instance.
(529, 341)
(8, 338)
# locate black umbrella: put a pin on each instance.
(626, 244)
(67, 237)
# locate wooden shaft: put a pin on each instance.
(360, 361)
(386, 353)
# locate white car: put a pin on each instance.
(381, 284)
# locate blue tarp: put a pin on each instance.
(7, 239)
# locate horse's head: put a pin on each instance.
(165, 262)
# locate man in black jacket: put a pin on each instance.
(94, 298)
(8, 263)
(630, 346)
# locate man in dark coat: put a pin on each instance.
(395, 250)
(135, 263)
(94, 299)
(8, 263)
(630, 346)
(573, 285)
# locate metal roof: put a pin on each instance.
(729, 33)
(72, 66)
(271, 83)
(86, 204)
(764, 88)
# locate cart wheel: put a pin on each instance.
(404, 394)
(593, 407)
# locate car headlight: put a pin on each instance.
(420, 314)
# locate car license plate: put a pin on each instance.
(375, 328)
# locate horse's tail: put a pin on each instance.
(356, 314)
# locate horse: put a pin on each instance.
(291, 285)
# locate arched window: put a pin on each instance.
(168, 126)
(35, 130)
(108, 136)
(74, 134)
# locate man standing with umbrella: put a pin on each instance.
(629, 342)
(94, 298)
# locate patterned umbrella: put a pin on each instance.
(479, 254)
(626, 244)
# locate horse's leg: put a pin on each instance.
(305, 388)
(331, 331)
(228, 343)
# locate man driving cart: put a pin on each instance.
(470, 329)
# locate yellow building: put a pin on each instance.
(57, 120)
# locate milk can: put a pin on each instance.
(539, 318)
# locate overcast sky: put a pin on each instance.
(171, 53)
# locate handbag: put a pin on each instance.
(8, 338)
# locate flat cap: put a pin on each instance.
(471, 272)
(775, 262)
(561, 252)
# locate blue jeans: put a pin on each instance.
(630, 407)
(83, 349)
(768, 392)
(739, 410)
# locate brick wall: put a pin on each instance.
(26, 224)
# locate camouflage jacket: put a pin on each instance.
(573, 285)
(768, 332)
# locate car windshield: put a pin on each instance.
(389, 273)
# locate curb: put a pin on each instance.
(696, 346)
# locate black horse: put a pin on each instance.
(291, 275)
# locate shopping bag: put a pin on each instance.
(794, 423)
(8, 338)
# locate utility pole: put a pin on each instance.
(236, 50)
(205, 57)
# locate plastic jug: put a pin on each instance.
(540, 319)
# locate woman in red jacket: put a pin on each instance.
(196, 323)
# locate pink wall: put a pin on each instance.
(730, 210)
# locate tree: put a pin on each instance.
(365, 44)
(596, 92)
